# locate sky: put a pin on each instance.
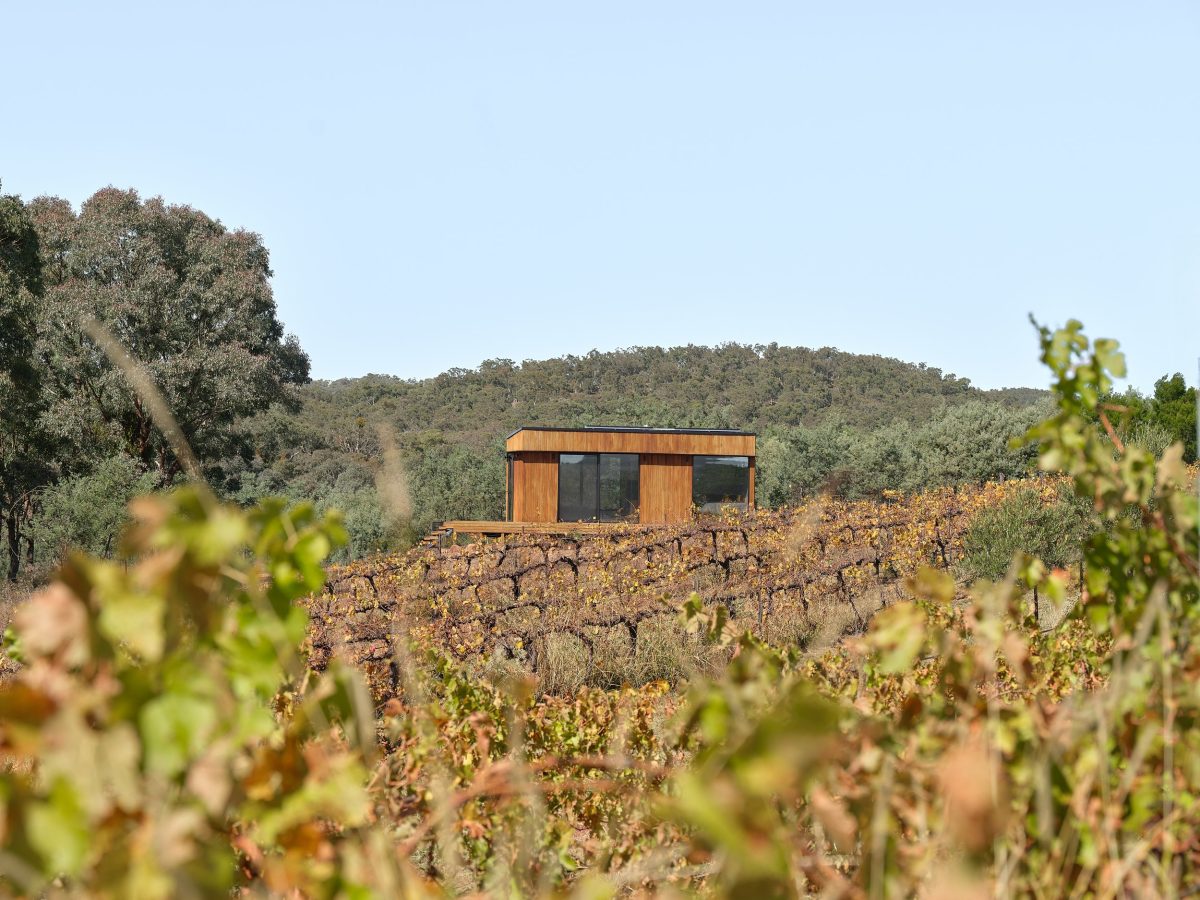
(444, 183)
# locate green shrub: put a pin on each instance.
(87, 512)
(165, 736)
(1052, 530)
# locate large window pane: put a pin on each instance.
(508, 494)
(577, 487)
(598, 487)
(719, 481)
(619, 494)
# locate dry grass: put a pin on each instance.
(664, 651)
(12, 595)
(825, 620)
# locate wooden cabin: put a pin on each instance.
(644, 475)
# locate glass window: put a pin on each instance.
(578, 491)
(598, 487)
(720, 481)
(508, 494)
(619, 487)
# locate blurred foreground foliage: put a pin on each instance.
(163, 739)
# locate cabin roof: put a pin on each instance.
(628, 439)
(633, 429)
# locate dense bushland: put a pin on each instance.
(164, 737)
(828, 422)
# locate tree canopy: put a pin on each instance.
(187, 298)
(1173, 408)
(190, 302)
(24, 449)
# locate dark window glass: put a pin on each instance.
(719, 481)
(508, 495)
(598, 487)
(619, 487)
(577, 487)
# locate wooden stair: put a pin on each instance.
(437, 536)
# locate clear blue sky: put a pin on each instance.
(441, 183)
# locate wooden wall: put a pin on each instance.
(527, 440)
(535, 487)
(666, 488)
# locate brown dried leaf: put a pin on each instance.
(973, 789)
(209, 779)
(834, 818)
(54, 624)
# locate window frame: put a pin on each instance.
(742, 505)
(637, 506)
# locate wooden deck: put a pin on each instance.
(447, 530)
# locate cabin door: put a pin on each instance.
(598, 487)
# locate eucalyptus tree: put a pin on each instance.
(24, 452)
(187, 298)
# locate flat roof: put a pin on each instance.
(633, 429)
(627, 439)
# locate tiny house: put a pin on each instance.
(644, 475)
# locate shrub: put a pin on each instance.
(87, 512)
(165, 739)
(1051, 529)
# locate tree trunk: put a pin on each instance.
(29, 545)
(14, 546)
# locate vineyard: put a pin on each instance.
(602, 602)
(192, 719)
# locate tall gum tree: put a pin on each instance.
(189, 299)
(24, 455)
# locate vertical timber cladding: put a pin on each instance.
(666, 483)
(665, 465)
(535, 487)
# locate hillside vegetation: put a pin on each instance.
(828, 422)
(860, 424)
(126, 285)
(730, 386)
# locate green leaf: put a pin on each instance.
(1108, 356)
(58, 830)
(175, 729)
(135, 620)
(932, 584)
(898, 633)
(714, 718)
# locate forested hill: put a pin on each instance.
(867, 422)
(730, 386)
